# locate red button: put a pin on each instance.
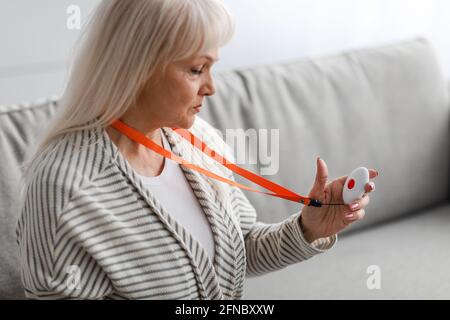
(351, 184)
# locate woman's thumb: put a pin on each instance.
(321, 179)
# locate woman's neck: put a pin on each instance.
(128, 146)
(143, 160)
(139, 123)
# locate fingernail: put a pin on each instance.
(349, 215)
(354, 206)
(372, 185)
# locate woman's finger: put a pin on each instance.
(360, 204)
(359, 215)
(321, 179)
(369, 187)
(364, 202)
(373, 173)
(350, 217)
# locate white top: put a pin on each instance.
(185, 208)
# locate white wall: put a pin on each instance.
(34, 47)
(276, 30)
(35, 42)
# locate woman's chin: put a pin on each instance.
(187, 123)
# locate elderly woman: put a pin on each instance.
(104, 217)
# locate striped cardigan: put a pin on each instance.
(89, 229)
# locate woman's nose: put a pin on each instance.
(208, 88)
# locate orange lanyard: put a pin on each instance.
(277, 190)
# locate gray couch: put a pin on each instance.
(385, 108)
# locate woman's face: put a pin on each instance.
(174, 98)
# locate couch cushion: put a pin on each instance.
(385, 108)
(411, 256)
(395, 96)
(19, 127)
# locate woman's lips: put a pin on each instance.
(198, 108)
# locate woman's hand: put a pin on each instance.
(329, 220)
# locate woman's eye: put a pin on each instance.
(197, 71)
